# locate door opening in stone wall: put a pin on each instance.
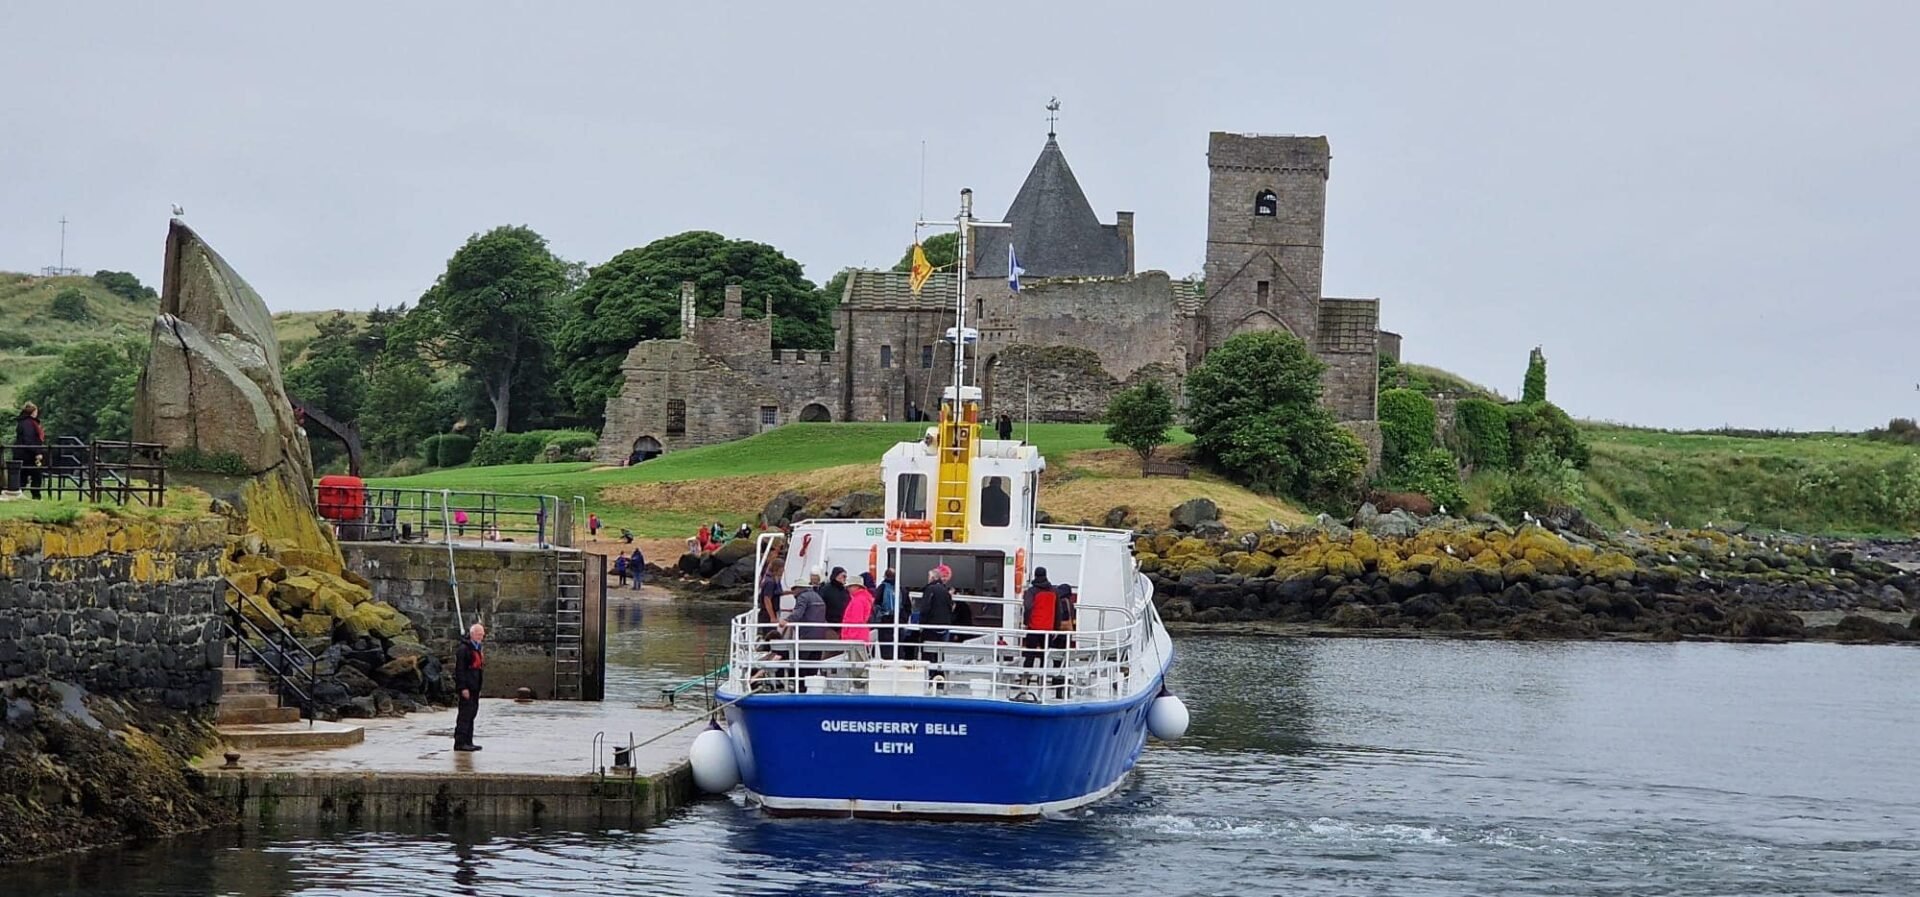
(815, 413)
(644, 448)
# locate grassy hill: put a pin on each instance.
(1804, 482)
(31, 337)
(295, 329)
(671, 496)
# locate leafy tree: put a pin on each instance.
(490, 312)
(333, 376)
(71, 305)
(125, 285)
(88, 393)
(1432, 472)
(402, 408)
(1138, 418)
(635, 296)
(1534, 389)
(1253, 406)
(1542, 429)
(941, 249)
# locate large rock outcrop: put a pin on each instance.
(212, 394)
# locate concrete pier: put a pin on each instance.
(538, 763)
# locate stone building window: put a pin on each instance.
(1263, 293)
(926, 357)
(677, 417)
(769, 415)
(1266, 205)
(886, 356)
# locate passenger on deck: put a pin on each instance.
(1065, 614)
(834, 593)
(937, 604)
(769, 606)
(1037, 614)
(853, 624)
(889, 594)
(809, 615)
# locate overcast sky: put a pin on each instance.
(1705, 212)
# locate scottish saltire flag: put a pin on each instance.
(1013, 269)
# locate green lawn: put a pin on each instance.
(57, 512)
(790, 449)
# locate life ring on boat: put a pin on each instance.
(873, 561)
(805, 542)
(1020, 567)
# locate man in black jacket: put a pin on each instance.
(938, 603)
(469, 671)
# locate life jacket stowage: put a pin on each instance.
(1042, 615)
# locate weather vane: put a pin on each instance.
(1053, 113)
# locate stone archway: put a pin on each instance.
(1259, 321)
(815, 413)
(644, 448)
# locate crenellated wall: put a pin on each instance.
(118, 607)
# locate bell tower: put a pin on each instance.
(1266, 219)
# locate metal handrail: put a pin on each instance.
(392, 514)
(290, 678)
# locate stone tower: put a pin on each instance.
(1266, 216)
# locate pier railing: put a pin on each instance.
(100, 471)
(435, 515)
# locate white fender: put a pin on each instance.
(1167, 718)
(714, 768)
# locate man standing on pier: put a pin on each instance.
(469, 670)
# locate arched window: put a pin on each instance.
(1266, 205)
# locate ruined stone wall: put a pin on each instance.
(1351, 385)
(511, 590)
(117, 607)
(1128, 322)
(1063, 384)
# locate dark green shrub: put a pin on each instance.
(1432, 472)
(124, 285)
(13, 340)
(1545, 483)
(1541, 427)
(495, 448)
(1406, 426)
(563, 444)
(71, 305)
(447, 449)
(1480, 428)
(226, 463)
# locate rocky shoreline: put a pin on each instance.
(1398, 573)
(1401, 574)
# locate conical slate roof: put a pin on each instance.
(1055, 232)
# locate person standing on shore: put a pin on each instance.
(30, 448)
(469, 672)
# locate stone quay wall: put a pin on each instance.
(121, 608)
(510, 589)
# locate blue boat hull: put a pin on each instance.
(932, 757)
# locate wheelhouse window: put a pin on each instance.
(677, 417)
(996, 501)
(1266, 205)
(886, 356)
(974, 572)
(911, 491)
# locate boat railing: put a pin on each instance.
(1108, 656)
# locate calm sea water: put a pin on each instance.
(1315, 767)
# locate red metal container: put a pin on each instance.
(343, 498)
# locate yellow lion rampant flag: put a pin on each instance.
(919, 271)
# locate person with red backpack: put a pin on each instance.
(1039, 613)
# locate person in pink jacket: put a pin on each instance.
(853, 625)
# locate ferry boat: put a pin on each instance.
(971, 721)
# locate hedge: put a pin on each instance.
(1406, 426)
(1480, 428)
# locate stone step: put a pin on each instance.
(291, 735)
(246, 688)
(231, 701)
(256, 715)
(243, 674)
